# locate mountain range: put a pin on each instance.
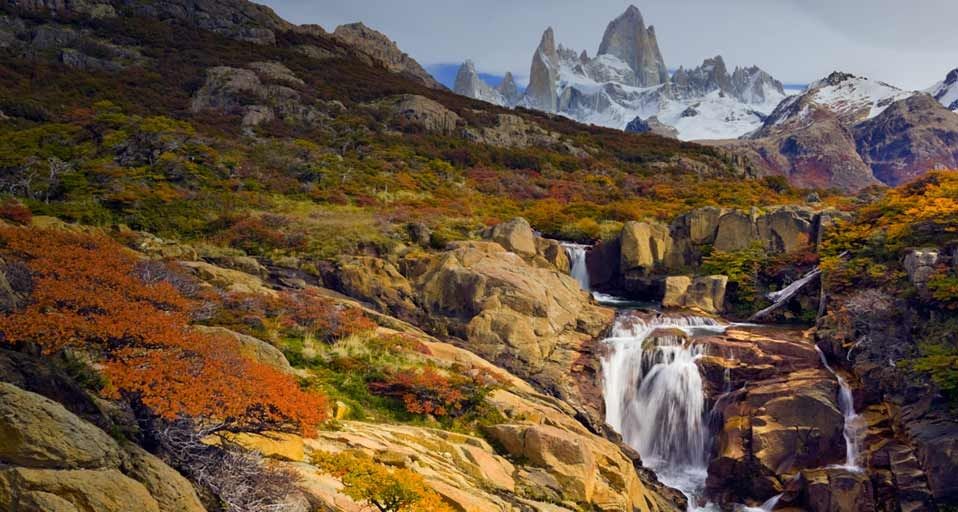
(628, 79)
(842, 131)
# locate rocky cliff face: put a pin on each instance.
(376, 45)
(645, 253)
(627, 38)
(910, 137)
(911, 448)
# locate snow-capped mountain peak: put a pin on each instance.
(848, 98)
(854, 98)
(946, 91)
(627, 79)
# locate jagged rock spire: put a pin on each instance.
(543, 73)
(627, 38)
(508, 89)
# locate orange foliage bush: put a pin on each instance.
(297, 313)
(14, 211)
(427, 391)
(85, 296)
(312, 314)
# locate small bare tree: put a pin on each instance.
(239, 478)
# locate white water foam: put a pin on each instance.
(654, 396)
(577, 261)
(854, 424)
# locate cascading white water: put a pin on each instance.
(577, 262)
(768, 506)
(654, 396)
(854, 424)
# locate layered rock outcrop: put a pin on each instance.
(912, 445)
(534, 321)
(53, 460)
(776, 412)
(376, 45)
(645, 253)
(228, 90)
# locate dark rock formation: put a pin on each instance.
(910, 137)
(651, 125)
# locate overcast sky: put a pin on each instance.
(908, 43)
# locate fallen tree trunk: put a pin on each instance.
(780, 298)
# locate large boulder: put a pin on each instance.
(39, 433)
(172, 492)
(375, 281)
(85, 490)
(553, 253)
(643, 246)
(706, 293)
(51, 460)
(516, 236)
(531, 320)
(432, 115)
(736, 231)
(786, 229)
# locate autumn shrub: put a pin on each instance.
(86, 296)
(263, 234)
(433, 392)
(308, 313)
(742, 268)
(944, 289)
(291, 313)
(385, 489)
(14, 211)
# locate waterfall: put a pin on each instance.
(654, 395)
(768, 506)
(854, 424)
(579, 270)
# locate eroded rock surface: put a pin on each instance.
(51, 459)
